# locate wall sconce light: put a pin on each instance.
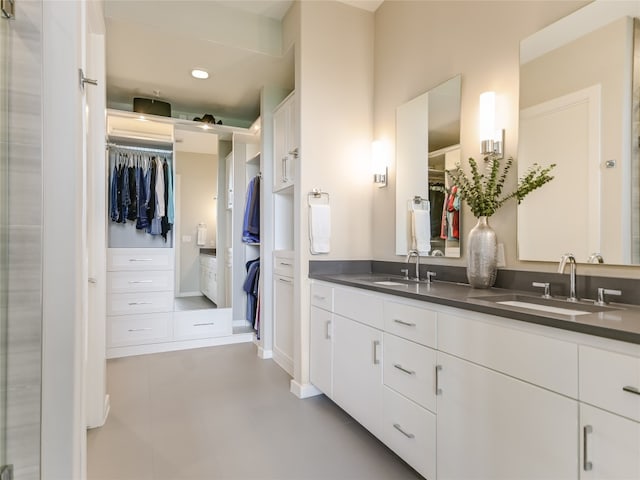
(379, 155)
(491, 138)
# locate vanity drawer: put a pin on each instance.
(409, 369)
(534, 358)
(322, 296)
(410, 431)
(187, 326)
(142, 302)
(283, 263)
(413, 323)
(610, 381)
(140, 281)
(138, 329)
(139, 259)
(359, 306)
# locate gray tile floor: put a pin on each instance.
(222, 413)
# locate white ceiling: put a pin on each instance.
(152, 46)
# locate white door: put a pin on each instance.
(320, 354)
(357, 371)
(491, 426)
(610, 446)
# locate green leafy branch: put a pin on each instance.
(483, 191)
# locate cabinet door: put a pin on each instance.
(357, 371)
(283, 322)
(491, 426)
(321, 347)
(610, 445)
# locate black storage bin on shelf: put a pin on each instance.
(151, 106)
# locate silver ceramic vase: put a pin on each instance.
(482, 255)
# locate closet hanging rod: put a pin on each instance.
(140, 149)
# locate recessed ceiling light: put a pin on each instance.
(199, 73)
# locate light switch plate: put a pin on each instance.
(186, 238)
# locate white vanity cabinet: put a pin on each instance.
(609, 415)
(209, 277)
(283, 288)
(320, 338)
(285, 141)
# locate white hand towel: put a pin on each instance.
(320, 228)
(201, 238)
(421, 230)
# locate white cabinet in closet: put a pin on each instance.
(139, 296)
(283, 283)
(209, 277)
(321, 338)
(286, 150)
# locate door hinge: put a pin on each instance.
(6, 472)
(8, 8)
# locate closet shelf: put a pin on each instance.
(255, 160)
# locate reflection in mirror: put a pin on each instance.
(428, 144)
(576, 101)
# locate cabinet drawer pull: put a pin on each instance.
(631, 389)
(284, 170)
(438, 370)
(140, 303)
(319, 297)
(376, 344)
(203, 324)
(141, 259)
(285, 264)
(328, 334)
(140, 281)
(140, 329)
(586, 464)
(285, 280)
(402, 369)
(399, 428)
(402, 322)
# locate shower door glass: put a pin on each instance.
(4, 235)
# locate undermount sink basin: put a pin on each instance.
(389, 281)
(542, 304)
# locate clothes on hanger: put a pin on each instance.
(251, 219)
(251, 288)
(141, 191)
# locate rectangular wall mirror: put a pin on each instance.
(428, 144)
(579, 109)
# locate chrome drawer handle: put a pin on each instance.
(140, 303)
(139, 329)
(376, 344)
(141, 259)
(319, 297)
(285, 264)
(399, 428)
(328, 334)
(402, 369)
(284, 280)
(631, 389)
(586, 464)
(203, 324)
(402, 322)
(438, 370)
(140, 281)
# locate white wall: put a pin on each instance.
(420, 44)
(334, 83)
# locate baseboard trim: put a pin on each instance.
(304, 390)
(117, 352)
(285, 362)
(264, 354)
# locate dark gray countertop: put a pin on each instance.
(618, 321)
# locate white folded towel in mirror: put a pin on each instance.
(421, 230)
(320, 228)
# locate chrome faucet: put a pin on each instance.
(569, 257)
(595, 258)
(414, 253)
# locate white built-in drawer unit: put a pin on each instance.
(413, 323)
(139, 296)
(188, 327)
(359, 306)
(140, 281)
(139, 259)
(139, 329)
(322, 296)
(548, 362)
(610, 381)
(283, 263)
(409, 369)
(410, 431)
